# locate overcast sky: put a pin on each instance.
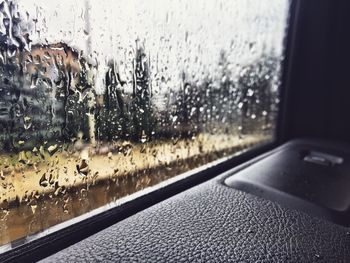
(178, 34)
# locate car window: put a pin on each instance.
(101, 99)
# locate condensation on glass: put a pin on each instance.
(100, 99)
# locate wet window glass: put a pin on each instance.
(101, 99)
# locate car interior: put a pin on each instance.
(286, 199)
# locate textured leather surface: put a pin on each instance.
(214, 223)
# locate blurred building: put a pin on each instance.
(46, 93)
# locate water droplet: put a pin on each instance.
(2, 176)
(65, 209)
(83, 167)
(43, 181)
(27, 122)
(34, 207)
(52, 149)
(250, 92)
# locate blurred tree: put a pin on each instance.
(189, 104)
(13, 42)
(141, 106)
(226, 104)
(116, 116)
(256, 82)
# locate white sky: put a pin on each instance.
(244, 28)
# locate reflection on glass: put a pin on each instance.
(100, 99)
